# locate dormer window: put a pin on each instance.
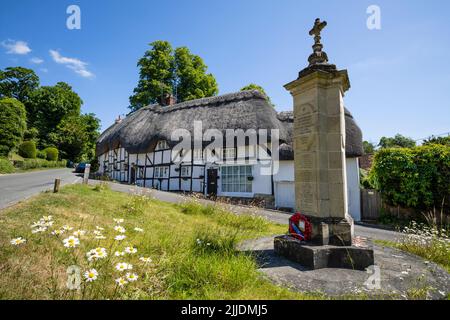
(162, 145)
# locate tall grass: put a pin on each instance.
(192, 250)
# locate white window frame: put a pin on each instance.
(162, 145)
(234, 179)
(161, 172)
(185, 171)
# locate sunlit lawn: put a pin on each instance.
(191, 248)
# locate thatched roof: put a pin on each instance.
(141, 130)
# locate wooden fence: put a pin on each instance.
(372, 206)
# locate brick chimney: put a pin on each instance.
(118, 120)
(169, 100)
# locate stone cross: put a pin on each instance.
(318, 57)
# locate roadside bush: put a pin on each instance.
(27, 164)
(28, 150)
(41, 154)
(6, 166)
(414, 177)
(13, 124)
(52, 154)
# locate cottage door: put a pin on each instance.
(212, 182)
(133, 175)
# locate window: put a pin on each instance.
(235, 179)
(185, 171)
(161, 172)
(229, 153)
(162, 145)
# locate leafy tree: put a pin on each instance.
(445, 141)
(253, 86)
(164, 71)
(12, 123)
(191, 79)
(18, 83)
(398, 141)
(76, 136)
(28, 150)
(369, 147)
(48, 106)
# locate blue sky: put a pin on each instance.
(400, 75)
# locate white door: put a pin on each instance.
(285, 195)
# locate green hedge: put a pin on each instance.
(39, 163)
(413, 177)
(52, 153)
(6, 166)
(41, 154)
(28, 150)
(12, 123)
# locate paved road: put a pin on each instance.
(20, 186)
(272, 215)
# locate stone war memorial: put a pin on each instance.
(320, 171)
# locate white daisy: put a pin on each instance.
(138, 229)
(119, 229)
(79, 233)
(118, 221)
(97, 253)
(131, 277)
(122, 266)
(130, 250)
(99, 228)
(71, 242)
(91, 275)
(119, 237)
(145, 260)
(18, 241)
(58, 232)
(100, 237)
(47, 218)
(121, 282)
(67, 228)
(119, 253)
(39, 230)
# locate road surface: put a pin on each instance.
(20, 186)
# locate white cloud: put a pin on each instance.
(75, 64)
(16, 47)
(36, 60)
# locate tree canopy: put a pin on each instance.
(18, 83)
(369, 147)
(398, 141)
(48, 106)
(253, 86)
(12, 123)
(165, 71)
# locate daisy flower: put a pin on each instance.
(138, 229)
(18, 241)
(39, 230)
(119, 229)
(130, 250)
(97, 232)
(100, 237)
(118, 221)
(79, 233)
(145, 260)
(67, 228)
(47, 218)
(91, 275)
(99, 228)
(122, 266)
(71, 242)
(58, 232)
(131, 277)
(121, 281)
(97, 253)
(119, 237)
(119, 253)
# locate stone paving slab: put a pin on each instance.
(400, 274)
